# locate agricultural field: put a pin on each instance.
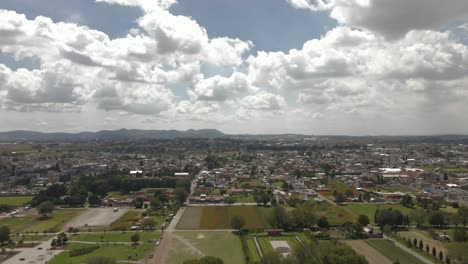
(8, 148)
(369, 209)
(219, 217)
(54, 223)
(392, 252)
(222, 244)
(15, 200)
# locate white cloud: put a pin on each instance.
(218, 88)
(263, 101)
(394, 18)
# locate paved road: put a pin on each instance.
(162, 251)
(404, 248)
(32, 254)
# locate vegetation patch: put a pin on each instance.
(392, 252)
(82, 251)
(219, 217)
(15, 200)
(126, 221)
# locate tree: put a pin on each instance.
(148, 223)
(229, 200)
(4, 234)
(94, 199)
(363, 220)
(407, 201)
(418, 216)
(427, 248)
(463, 214)
(181, 195)
(441, 256)
(237, 222)
(135, 238)
(294, 200)
(340, 197)
(45, 208)
(155, 203)
(421, 245)
(436, 219)
(459, 235)
(273, 201)
(279, 217)
(100, 260)
(322, 222)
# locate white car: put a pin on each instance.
(157, 243)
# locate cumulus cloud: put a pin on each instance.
(393, 19)
(263, 101)
(218, 88)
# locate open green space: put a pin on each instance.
(369, 209)
(336, 215)
(266, 247)
(126, 221)
(15, 200)
(53, 223)
(119, 252)
(115, 236)
(392, 252)
(219, 217)
(222, 244)
(240, 198)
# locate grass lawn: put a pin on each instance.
(15, 200)
(119, 252)
(244, 198)
(392, 252)
(219, 217)
(54, 223)
(369, 209)
(221, 244)
(116, 237)
(252, 251)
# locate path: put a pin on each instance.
(370, 253)
(162, 251)
(188, 244)
(404, 248)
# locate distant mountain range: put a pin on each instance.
(21, 135)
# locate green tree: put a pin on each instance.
(148, 223)
(463, 214)
(229, 200)
(363, 220)
(419, 217)
(437, 219)
(279, 218)
(4, 234)
(135, 238)
(322, 222)
(94, 199)
(237, 222)
(340, 197)
(181, 195)
(45, 208)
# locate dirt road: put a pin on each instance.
(372, 255)
(95, 217)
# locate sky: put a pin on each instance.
(317, 67)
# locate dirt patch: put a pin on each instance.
(200, 236)
(372, 255)
(8, 254)
(190, 220)
(93, 217)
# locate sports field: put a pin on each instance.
(222, 244)
(219, 217)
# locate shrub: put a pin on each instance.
(82, 251)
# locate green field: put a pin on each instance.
(369, 209)
(220, 244)
(115, 237)
(266, 247)
(244, 198)
(335, 214)
(126, 221)
(15, 200)
(219, 217)
(392, 252)
(54, 223)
